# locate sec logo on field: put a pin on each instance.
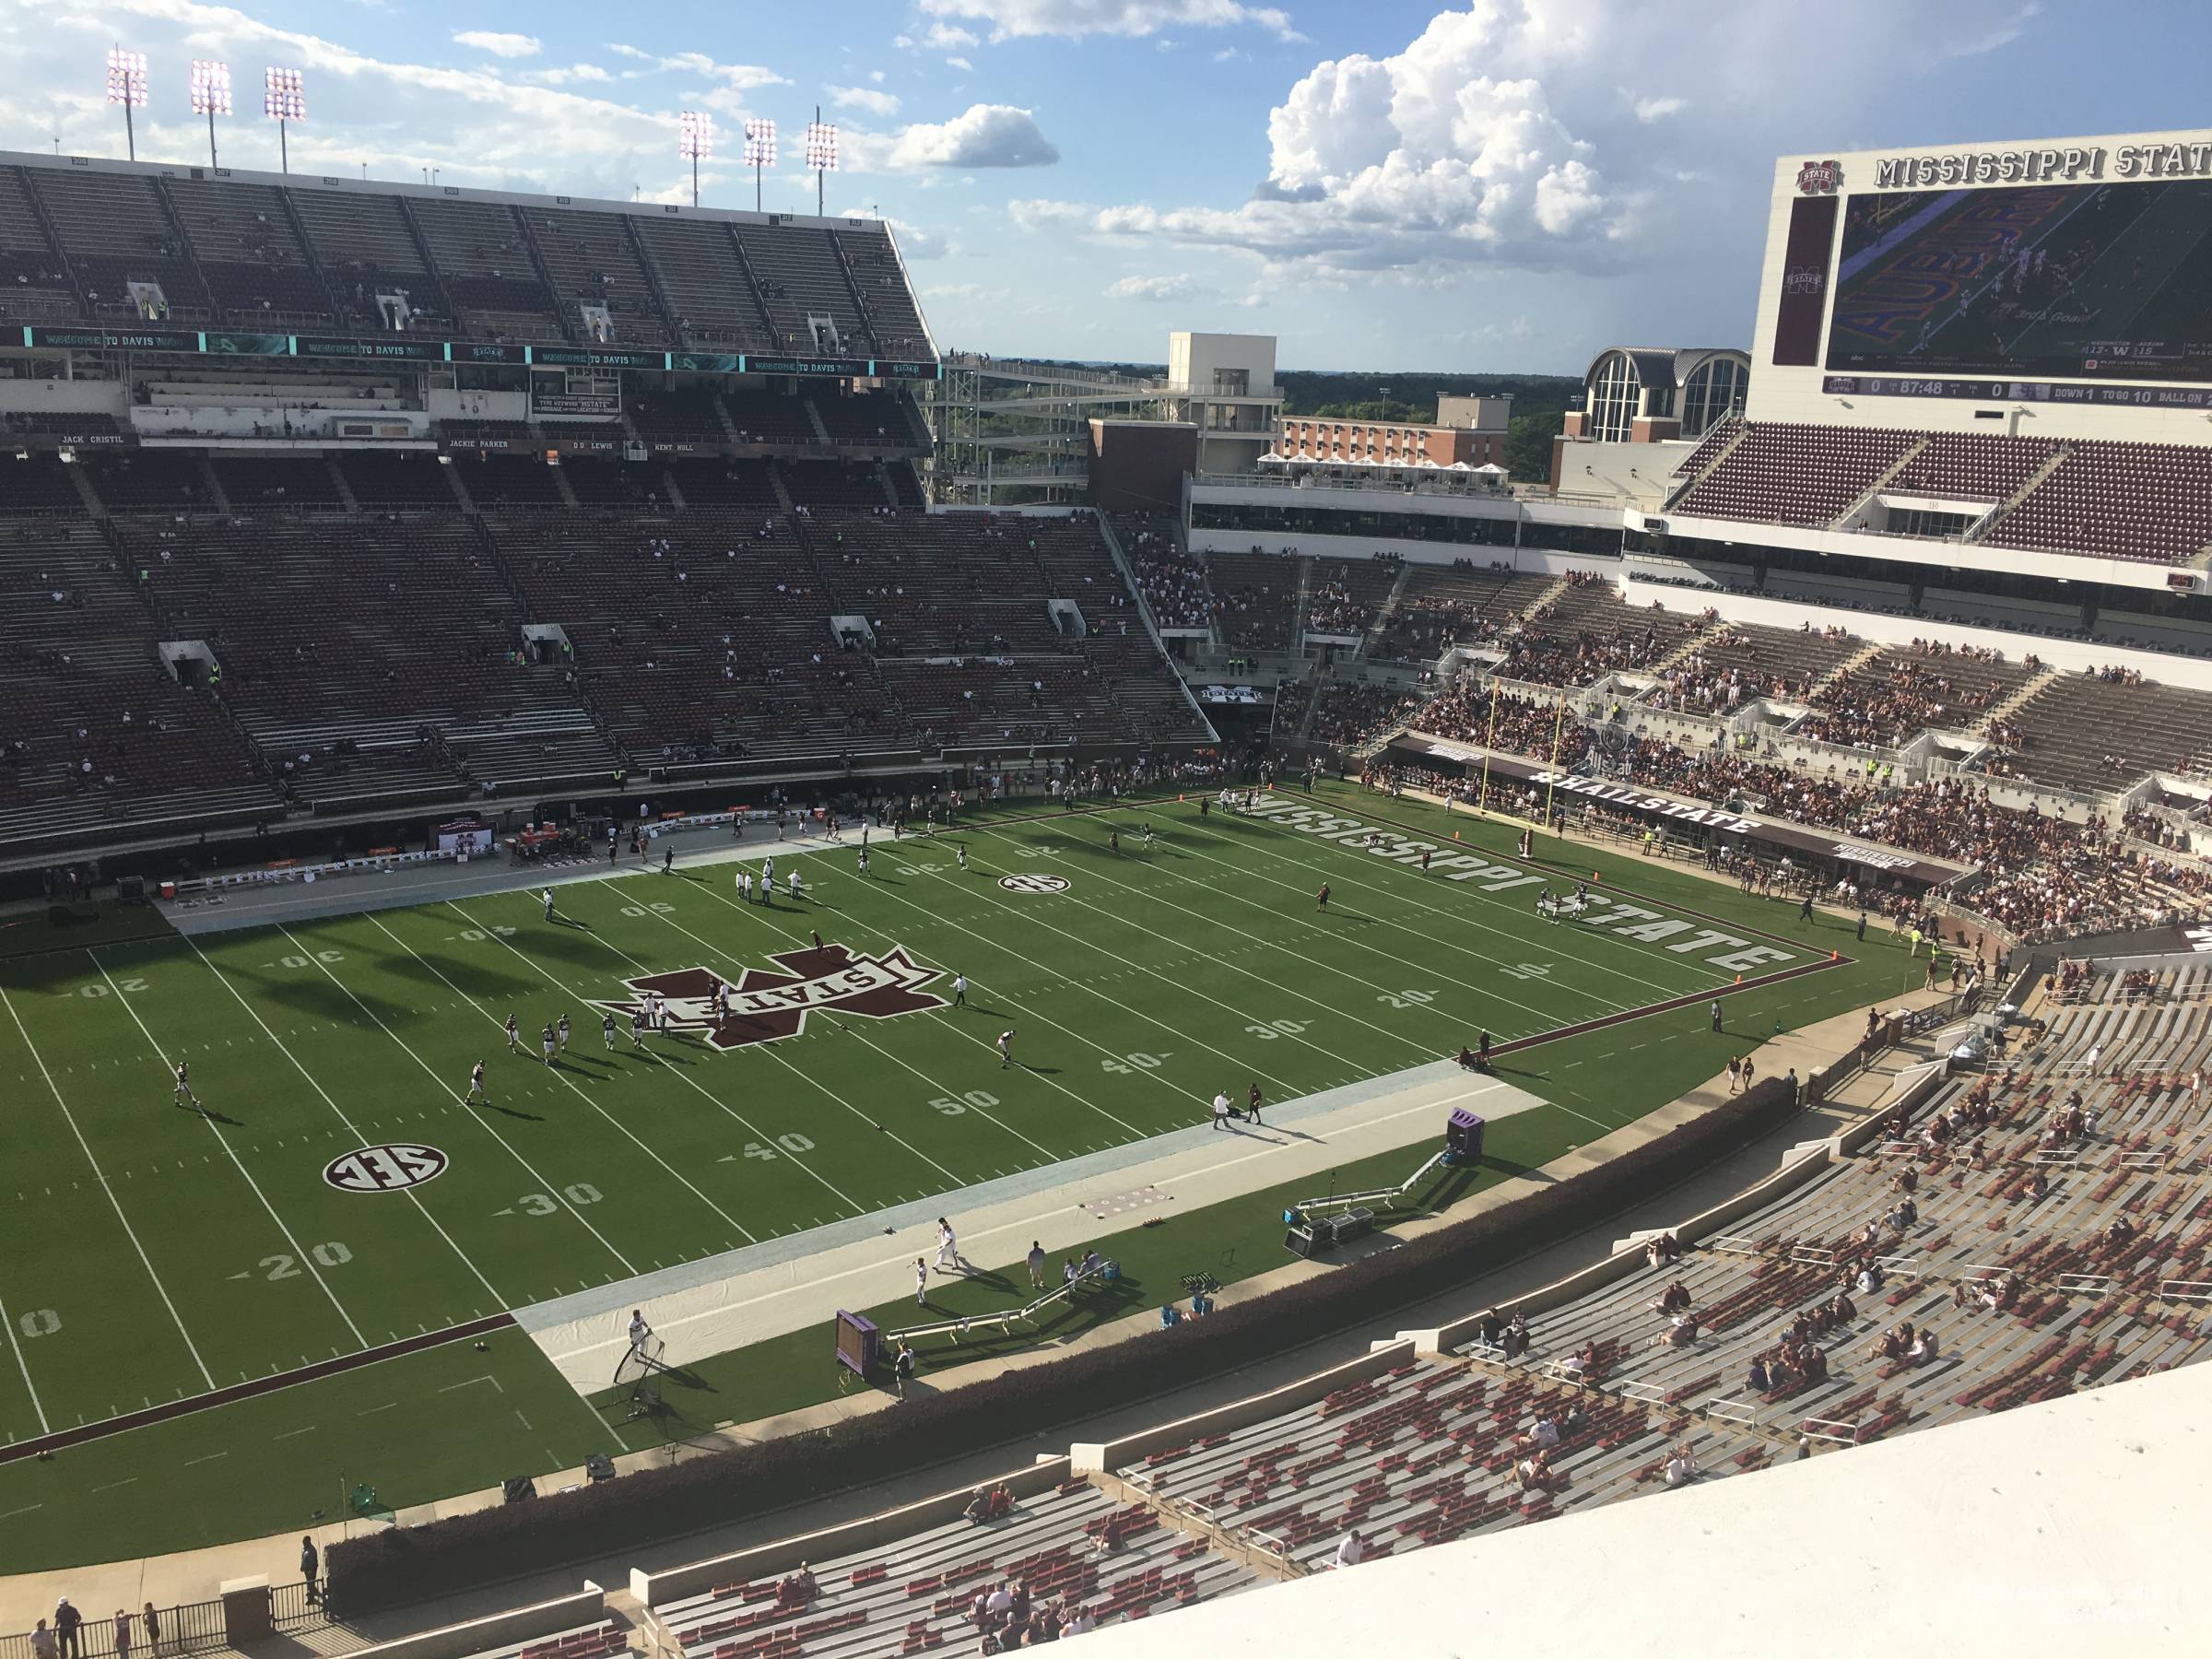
(1032, 882)
(387, 1169)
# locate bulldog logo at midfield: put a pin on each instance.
(764, 1005)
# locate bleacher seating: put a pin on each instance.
(114, 230)
(494, 480)
(881, 283)
(1781, 473)
(141, 480)
(384, 481)
(2085, 732)
(835, 484)
(1074, 1546)
(367, 247)
(483, 255)
(34, 285)
(96, 738)
(282, 256)
(1344, 593)
(696, 263)
(593, 262)
(1589, 632)
(770, 418)
(37, 483)
(716, 481)
(2119, 500)
(1256, 598)
(699, 636)
(799, 277)
(870, 419)
(260, 483)
(255, 267)
(316, 622)
(1449, 605)
(678, 414)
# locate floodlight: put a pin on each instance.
(283, 97)
(284, 101)
(126, 86)
(694, 135)
(210, 88)
(759, 142)
(126, 79)
(821, 145)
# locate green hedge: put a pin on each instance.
(403, 1565)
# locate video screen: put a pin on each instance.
(2078, 281)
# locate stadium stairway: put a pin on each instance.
(1850, 665)
(2021, 696)
(1384, 612)
(2033, 483)
(1303, 606)
(1867, 496)
(1690, 482)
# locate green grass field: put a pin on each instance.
(151, 1253)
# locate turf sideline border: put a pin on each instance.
(272, 1384)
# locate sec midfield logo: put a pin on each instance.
(1032, 882)
(387, 1169)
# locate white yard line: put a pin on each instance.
(982, 1042)
(566, 1082)
(462, 1099)
(45, 1427)
(100, 1175)
(1657, 952)
(757, 1132)
(1426, 1051)
(853, 1030)
(413, 1196)
(299, 1252)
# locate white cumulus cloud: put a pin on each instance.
(1156, 290)
(501, 45)
(864, 98)
(1011, 20)
(981, 135)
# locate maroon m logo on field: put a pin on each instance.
(767, 1004)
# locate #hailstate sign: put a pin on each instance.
(766, 1005)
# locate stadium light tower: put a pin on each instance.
(210, 96)
(759, 150)
(126, 86)
(695, 143)
(284, 101)
(821, 153)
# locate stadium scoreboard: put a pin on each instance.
(2073, 276)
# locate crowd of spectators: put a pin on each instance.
(2042, 876)
(1883, 704)
(1332, 606)
(1346, 713)
(1173, 578)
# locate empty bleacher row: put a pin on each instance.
(1066, 1552)
(1443, 605)
(2101, 499)
(359, 660)
(95, 245)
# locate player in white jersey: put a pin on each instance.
(514, 1035)
(963, 851)
(476, 1083)
(184, 1091)
(547, 896)
(561, 1031)
(548, 1042)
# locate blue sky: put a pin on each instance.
(1503, 186)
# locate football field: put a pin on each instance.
(209, 1304)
